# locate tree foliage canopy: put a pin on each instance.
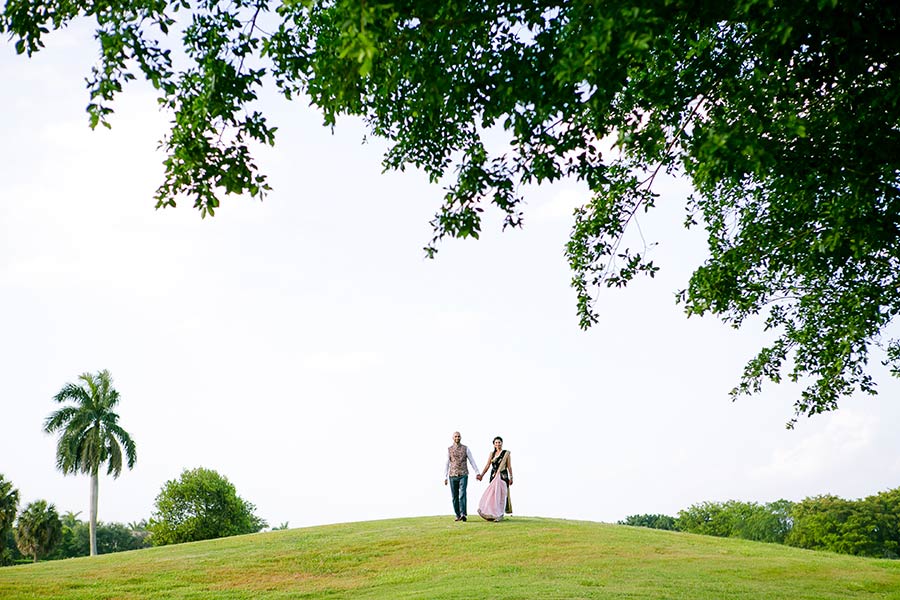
(769, 522)
(111, 537)
(9, 505)
(90, 434)
(200, 505)
(653, 521)
(866, 527)
(38, 529)
(784, 115)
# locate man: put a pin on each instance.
(457, 473)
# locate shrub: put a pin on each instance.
(652, 521)
(200, 505)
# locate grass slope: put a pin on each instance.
(434, 557)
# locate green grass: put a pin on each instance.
(434, 557)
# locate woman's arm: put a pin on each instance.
(509, 466)
(486, 467)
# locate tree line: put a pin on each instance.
(865, 527)
(201, 504)
(66, 536)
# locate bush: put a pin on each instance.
(652, 521)
(200, 505)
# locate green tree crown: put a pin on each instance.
(38, 529)
(785, 116)
(90, 434)
(9, 505)
(200, 505)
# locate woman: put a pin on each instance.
(496, 500)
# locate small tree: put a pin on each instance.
(38, 529)
(200, 505)
(9, 504)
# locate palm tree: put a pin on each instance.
(9, 504)
(90, 434)
(38, 529)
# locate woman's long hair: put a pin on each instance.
(492, 445)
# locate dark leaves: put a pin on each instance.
(785, 116)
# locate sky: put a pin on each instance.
(306, 349)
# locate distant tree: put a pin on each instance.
(652, 521)
(868, 527)
(38, 529)
(90, 435)
(111, 537)
(200, 505)
(281, 527)
(883, 520)
(72, 543)
(785, 116)
(769, 522)
(821, 523)
(707, 518)
(140, 532)
(9, 505)
(9, 548)
(117, 537)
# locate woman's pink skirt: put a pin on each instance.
(493, 501)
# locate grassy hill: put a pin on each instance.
(434, 557)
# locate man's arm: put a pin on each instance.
(471, 459)
(447, 468)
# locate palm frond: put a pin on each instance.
(73, 392)
(60, 418)
(125, 439)
(114, 457)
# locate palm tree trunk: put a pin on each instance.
(95, 487)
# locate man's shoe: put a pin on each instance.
(458, 518)
(462, 518)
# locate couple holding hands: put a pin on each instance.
(495, 501)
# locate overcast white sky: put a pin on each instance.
(304, 347)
